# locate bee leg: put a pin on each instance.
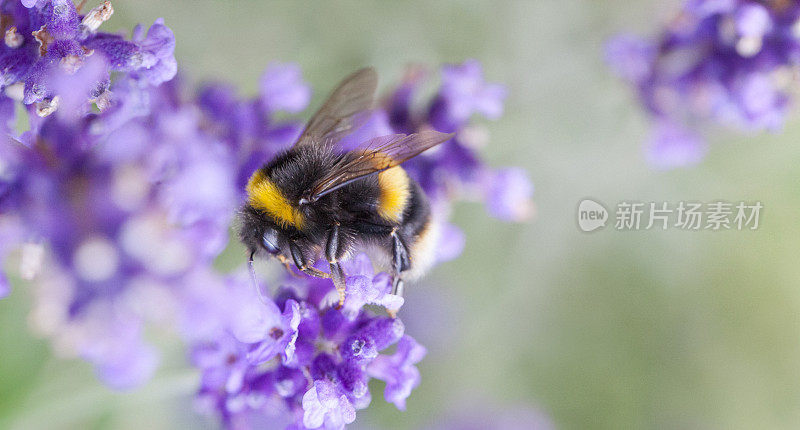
(400, 262)
(314, 272)
(397, 289)
(334, 251)
(302, 265)
(398, 286)
(288, 265)
(337, 274)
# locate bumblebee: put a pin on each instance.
(315, 199)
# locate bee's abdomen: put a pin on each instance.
(395, 192)
(417, 212)
(421, 232)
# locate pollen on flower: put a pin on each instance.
(13, 39)
(97, 16)
(44, 38)
(47, 106)
(102, 101)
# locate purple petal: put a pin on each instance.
(509, 195)
(464, 92)
(290, 320)
(283, 88)
(63, 22)
(121, 358)
(451, 243)
(324, 403)
(753, 20)
(630, 57)
(398, 371)
(251, 319)
(32, 3)
(16, 63)
(673, 146)
(384, 331)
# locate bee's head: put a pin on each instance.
(258, 232)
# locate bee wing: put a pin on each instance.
(339, 113)
(380, 153)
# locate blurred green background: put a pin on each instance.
(642, 329)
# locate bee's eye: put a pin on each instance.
(270, 241)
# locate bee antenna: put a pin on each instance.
(251, 268)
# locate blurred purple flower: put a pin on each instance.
(719, 63)
(121, 358)
(509, 195)
(10, 238)
(630, 57)
(451, 243)
(464, 92)
(282, 88)
(672, 146)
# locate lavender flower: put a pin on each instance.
(47, 37)
(725, 64)
(302, 356)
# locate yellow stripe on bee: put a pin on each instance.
(264, 195)
(394, 195)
